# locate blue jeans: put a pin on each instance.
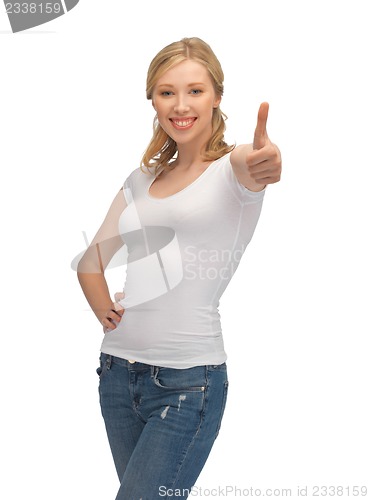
(161, 424)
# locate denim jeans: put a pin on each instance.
(161, 424)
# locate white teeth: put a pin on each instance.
(182, 124)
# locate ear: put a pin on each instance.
(217, 101)
(153, 104)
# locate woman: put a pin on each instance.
(186, 216)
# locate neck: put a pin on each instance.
(187, 157)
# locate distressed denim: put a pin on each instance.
(161, 424)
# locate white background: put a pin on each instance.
(74, 122)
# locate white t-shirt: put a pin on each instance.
(182, 252)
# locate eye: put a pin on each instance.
(196, 91)
(166, 93)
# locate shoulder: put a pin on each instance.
(136, 175)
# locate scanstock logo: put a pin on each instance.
(25, 15)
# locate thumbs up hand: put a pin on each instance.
(258, 164)
(264, 162)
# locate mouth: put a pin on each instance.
(183, 123)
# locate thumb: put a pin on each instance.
(260, 135)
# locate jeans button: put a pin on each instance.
(131, 361)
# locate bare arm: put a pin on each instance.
(91, 267)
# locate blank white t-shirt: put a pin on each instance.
(182, 252)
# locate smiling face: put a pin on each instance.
(184, 99)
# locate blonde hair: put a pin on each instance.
(162, 148)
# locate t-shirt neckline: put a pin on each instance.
(184, 190)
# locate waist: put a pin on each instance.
(169, 349)
(133, 365)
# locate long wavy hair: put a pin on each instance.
(162, 149)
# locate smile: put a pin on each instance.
(182, 124)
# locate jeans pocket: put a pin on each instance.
(218, 368)
(104, 364)
(183, 380)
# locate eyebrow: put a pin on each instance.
(189, 85)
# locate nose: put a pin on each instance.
(181, 105)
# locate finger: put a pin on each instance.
(261, 155)
(115, 315)
(257, 157)
(111, 319)
(261, 168)
(264, 172)
(270, 179)
(108, 324)
(260, 135)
